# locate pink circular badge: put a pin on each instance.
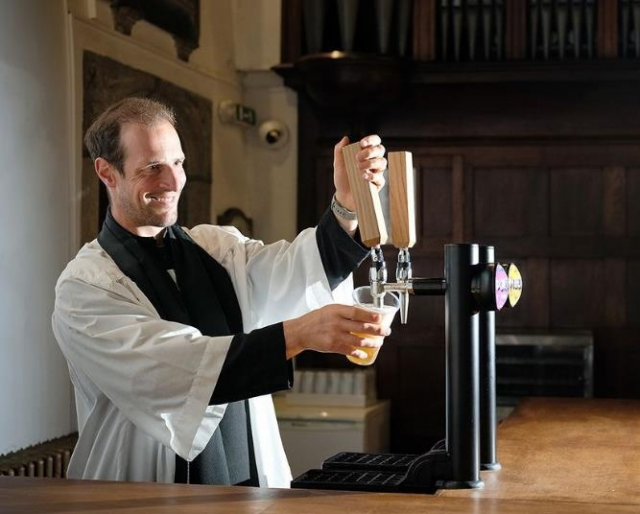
(501, 286)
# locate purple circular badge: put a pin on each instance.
(501, 286)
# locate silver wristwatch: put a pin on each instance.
(342, 211)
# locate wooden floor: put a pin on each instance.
(558, 456)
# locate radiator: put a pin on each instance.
(542, 364)
(49, 459)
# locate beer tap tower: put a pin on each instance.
(474, 286)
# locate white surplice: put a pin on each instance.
(143, 384)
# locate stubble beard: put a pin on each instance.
(146, 216)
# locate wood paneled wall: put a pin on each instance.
(549, 173)
(533, 150)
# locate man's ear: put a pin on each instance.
(106, 172)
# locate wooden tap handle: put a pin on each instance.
(402, 199)
(373, 229)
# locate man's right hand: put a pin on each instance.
(331, 328)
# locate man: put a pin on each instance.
(175, 338)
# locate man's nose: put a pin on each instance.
(172, 177)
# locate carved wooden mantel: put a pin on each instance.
(181, 18)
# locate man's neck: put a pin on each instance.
(141, 231)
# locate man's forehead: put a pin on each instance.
(144, 130)
(147, 140)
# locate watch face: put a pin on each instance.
(501, 286)
(515, 284)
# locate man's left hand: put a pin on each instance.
(370, 160)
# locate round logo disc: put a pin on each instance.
(501, 286)
(515, 284)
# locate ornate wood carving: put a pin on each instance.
(180, 18)
(478, 30)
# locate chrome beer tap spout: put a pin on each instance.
(377, 276)
(403, 284)
(403, 276)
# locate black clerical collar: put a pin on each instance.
(149, 241)
(158, 248)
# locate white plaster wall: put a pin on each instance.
(257, 34)
(239, 43)
(210, 73)
(274, 177)
(34, 209)
(41, 46)
(273, 172)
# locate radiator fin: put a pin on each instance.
(47, 460)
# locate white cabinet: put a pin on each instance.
(311, 434)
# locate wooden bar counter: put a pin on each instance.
(558, 456)
(561, 449)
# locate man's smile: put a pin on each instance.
(163, 199)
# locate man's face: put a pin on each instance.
(145, 199)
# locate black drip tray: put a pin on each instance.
(377, 472)
(390, 462)
(347, 480)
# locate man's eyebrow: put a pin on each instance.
(151, 163)
(182, 158)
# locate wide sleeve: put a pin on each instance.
(159, 374)
(340, 253)
(256, 364)
(282, 280)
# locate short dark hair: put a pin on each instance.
(103, 136)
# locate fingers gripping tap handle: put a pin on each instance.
(373, 230)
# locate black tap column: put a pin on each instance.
(462, 329)
(487, 319)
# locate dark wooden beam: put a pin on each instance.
(424, 30)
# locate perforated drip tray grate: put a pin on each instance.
(350, 471)
(346, 480)
(390, 462)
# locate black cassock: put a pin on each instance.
(202, 295)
